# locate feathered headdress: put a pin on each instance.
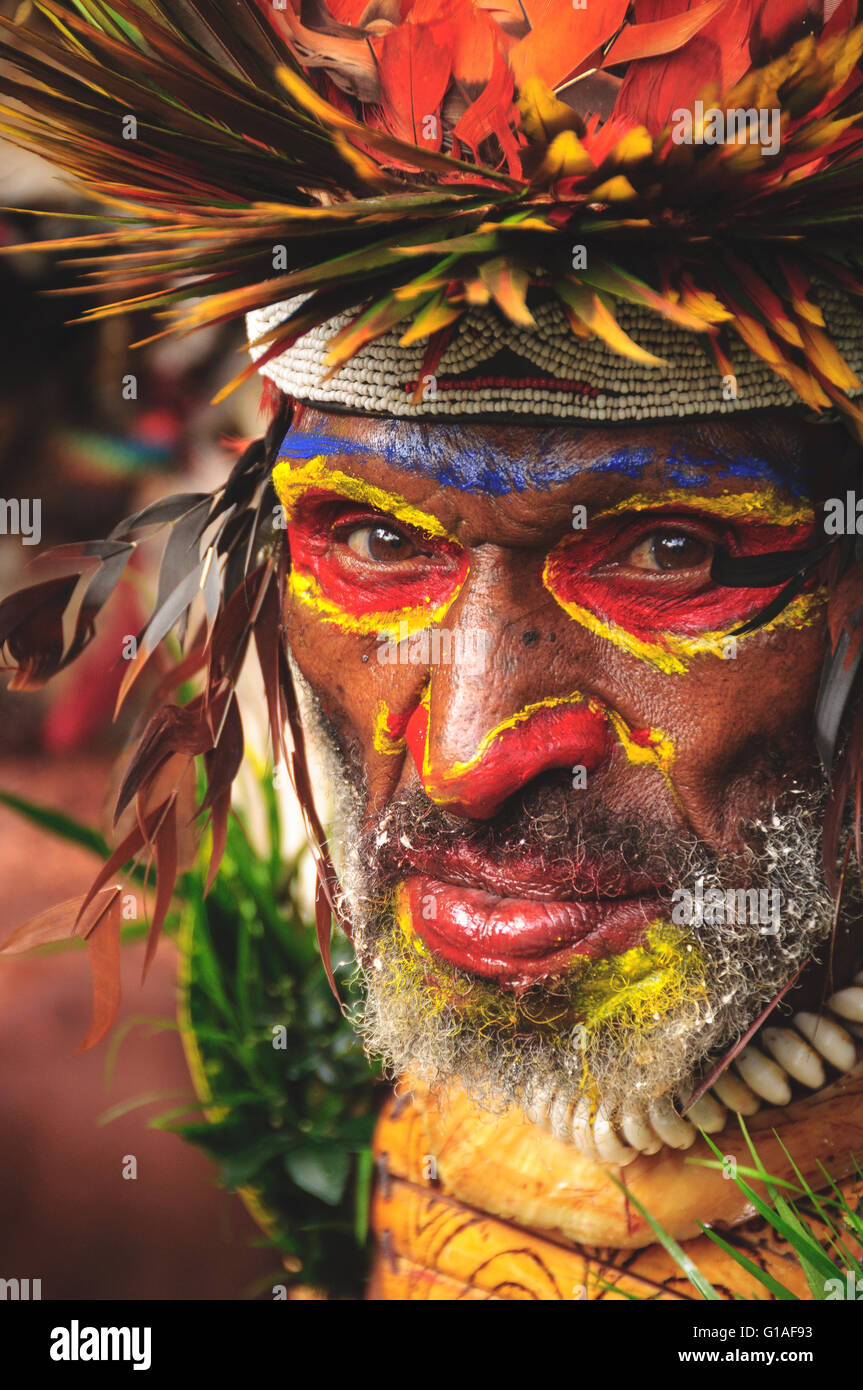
(435, 207)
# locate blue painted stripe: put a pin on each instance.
(481, 467)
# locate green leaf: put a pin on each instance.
(64, 827)
(365, 1167)
(812, 1258)
(321, 1172)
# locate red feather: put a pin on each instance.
(488, 115)
(661, 36)
(415, 64)
(716, 57)
(777, 21)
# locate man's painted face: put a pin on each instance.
(579, 838)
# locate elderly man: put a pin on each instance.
(579, 841)
(548, 548)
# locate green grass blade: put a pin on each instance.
(698, 1281)
(773, 1286)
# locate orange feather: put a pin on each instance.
(562, 38)
(415, 63)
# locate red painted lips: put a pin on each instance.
(516, 940)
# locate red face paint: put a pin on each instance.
(568, 731)
(360, 587)
(589, 571)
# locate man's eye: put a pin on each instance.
(670, 550)
(381, 544)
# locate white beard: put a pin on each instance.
(457, 1027)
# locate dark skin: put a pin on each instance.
(741, 728)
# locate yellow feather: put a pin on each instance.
(565, 157)
(822, 353)
(589, 308)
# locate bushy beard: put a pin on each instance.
(438, 1023)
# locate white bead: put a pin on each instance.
(582, 1134)
(796, 1056)
(608, 1145)
(707, 1114)
(847, 1003)
(560, 1116)
(537, 1102)
(736, 1094)
(671, 1128)
(833, 1043)
(638, 1133)
(763, 1076)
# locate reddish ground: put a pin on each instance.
(67, 1215)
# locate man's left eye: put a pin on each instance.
(380, 543)
(664, 551)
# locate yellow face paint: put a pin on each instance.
(291, 483)
(616, 996)
(458, 770)
(546, 742)
(652, 748)
(384, 741)
(314, 579)
(768, 506)
(397, 623)
(670, 652)
(639, 986)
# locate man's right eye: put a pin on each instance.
(380, 543)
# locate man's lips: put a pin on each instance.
(524, 873)
(519, 940)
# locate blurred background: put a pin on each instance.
(93, 447)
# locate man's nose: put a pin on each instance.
(494, 716)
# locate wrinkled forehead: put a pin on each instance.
(491, 460)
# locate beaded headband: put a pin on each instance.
(491, 366)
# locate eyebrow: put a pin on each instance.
(764, 505)
(291, 483)
(478, 466)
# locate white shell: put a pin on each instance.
(536, 1103)
(834, 1044)
(560, 1116)
(582, 1133)
(847, 1003)
(763, 1076)
(674, 1131)
(796, 1056)
(736, 1094)
(707, 1114)
(638, 1133)
(608, 1145)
